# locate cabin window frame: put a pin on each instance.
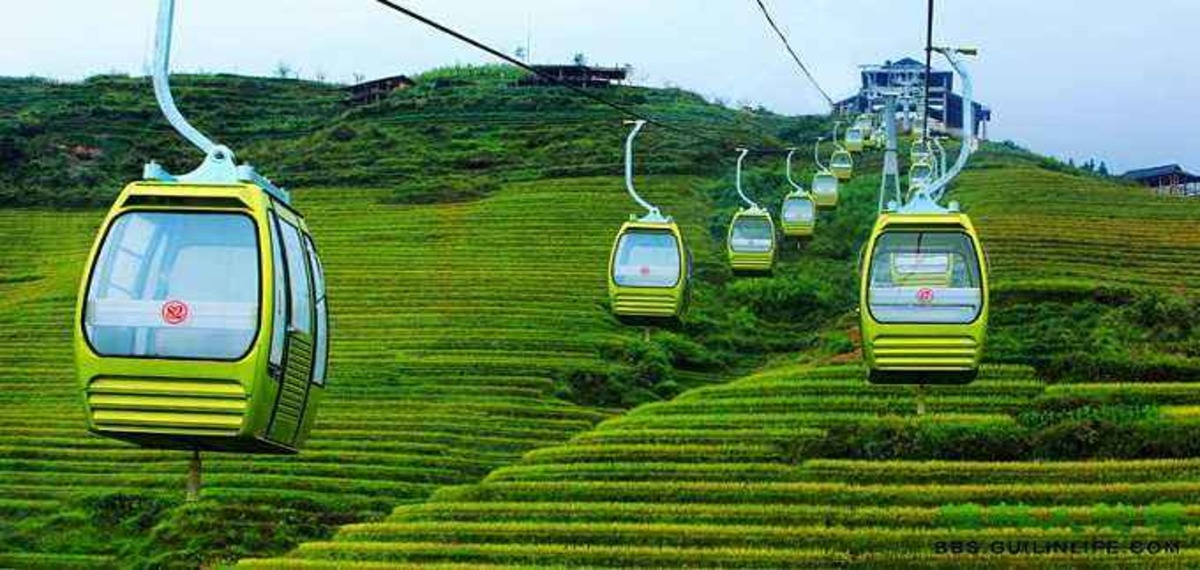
(279, 319)
(809, 219)
(254, 340)
(979, 273)
(320, 313)
(766, 224)
(679, 250)
(303, 264)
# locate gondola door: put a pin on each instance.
(293, 332)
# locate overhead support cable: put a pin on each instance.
(795, 57)
(929, 70)
(552, 79)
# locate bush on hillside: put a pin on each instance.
(445, 189)
(1097, 334)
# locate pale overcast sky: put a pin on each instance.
(1109, 78)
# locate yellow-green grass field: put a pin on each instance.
(795, 466)
(718, 478)
(449, 323)
(1046, 227)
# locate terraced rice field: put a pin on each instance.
(1042, 226)
(727, 476)
(449, 322)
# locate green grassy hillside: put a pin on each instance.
(1094, 280)
(466, 239)
(796, 466)
(451, 324)
(468, 128)
(1049, 229)
(464, 332)
(800, 467)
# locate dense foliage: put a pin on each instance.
(455, 135)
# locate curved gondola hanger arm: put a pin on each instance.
(837, 143)
(926, 199)
(652, 212)
(162, 85)
(817, 154)
(742, 152)
(788, 171)
(952, 55)
(220, 164)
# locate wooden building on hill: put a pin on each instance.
(377, 89)
(1170, 179)
(576, 75)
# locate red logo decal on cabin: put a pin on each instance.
(644, 271)
(925, 296)
(174, 312)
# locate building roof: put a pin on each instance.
(618, 73)
(906, 62)
(1159, 172)
(382, 81)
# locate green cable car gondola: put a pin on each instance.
(920, 174)
(201, 321)
(925, 298)
(799, 212)
(650, 268)
(866, 123)
(924, 284)
(750, 243)
(879, 138)
(842, 164)
(824, 181)
(856, 139)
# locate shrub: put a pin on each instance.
(445, 189)
(343, 133)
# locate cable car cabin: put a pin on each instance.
(924, 299)
(751, 242)
(866, 124)
(879, 138)
(202, 321)
(855, 139)
(825, 189)
(799, 215)
(842, 164)
(649, 272)
(920, 174)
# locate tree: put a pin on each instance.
(580, 59)
(359, 78)
(520, 53)
(283, 70)
(1103, 169)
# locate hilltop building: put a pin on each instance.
(577, 75)
(905, 79)
(377, 89)
(1170, 179)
